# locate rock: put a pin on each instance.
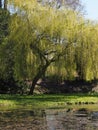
(94, 115)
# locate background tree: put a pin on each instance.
(4, 20)
(3, 4)
(87, 51)
(0, 3)
(68, 4)
(6, 54)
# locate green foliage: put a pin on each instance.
(48, 35)
(47, 41)
(4, 20)
(5, 48)
(86, 53)
(6, 61)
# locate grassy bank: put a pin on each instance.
(47, 101)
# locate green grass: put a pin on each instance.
(46, 101)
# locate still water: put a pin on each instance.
(48, 119)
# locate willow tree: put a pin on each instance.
(86, 53)
(41, 35)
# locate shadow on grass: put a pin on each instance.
(46, 97)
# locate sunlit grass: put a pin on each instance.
(47, 101)
(6, 103)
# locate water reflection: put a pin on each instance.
(69, 121)
(48, 119)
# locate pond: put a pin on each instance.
(49, 119)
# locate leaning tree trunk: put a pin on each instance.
(36, 78)
(40, 73)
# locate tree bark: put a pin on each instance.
(5, 4)
(0, 3)
(40, 73)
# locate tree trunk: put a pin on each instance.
(0, 3)
(36, 78)
(41, 72)
(5, 4)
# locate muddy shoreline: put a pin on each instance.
(49, 119)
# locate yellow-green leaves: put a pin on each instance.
(50, 35)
